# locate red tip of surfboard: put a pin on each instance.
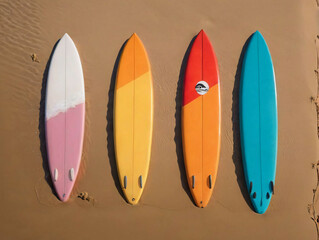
(201, 65)
(202, 32)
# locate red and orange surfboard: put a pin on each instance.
(201, 121)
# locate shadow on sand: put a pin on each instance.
(41, 126)
(237, 157)
(178, 123)
(109, 126)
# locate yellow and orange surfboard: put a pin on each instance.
(201, 119)
(133, 118)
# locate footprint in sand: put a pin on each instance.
(312, 210)
(85, 196)
(35, 58)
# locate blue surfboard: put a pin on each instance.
(258, 122)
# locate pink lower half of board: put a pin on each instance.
(64, 137)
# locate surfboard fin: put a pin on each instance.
(250, 187)
(71, 174)
(125, 182)
(56, 174)
(210, 181)
(272, 187)
(193, 181)
(141, 181)
(254, 195)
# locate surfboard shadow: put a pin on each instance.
(41, 126)
(237, 157)
(109, 125)
(178, 123)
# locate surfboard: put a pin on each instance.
(64, 116)
(133, 118)
(201, 120)
(258, 122)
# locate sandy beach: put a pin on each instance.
(29, 31)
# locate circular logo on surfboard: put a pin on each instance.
(202, 87)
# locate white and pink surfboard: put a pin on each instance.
(64, 116)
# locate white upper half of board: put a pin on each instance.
(65, 83)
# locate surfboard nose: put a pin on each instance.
(259, 36)
(66, 36)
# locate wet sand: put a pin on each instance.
(29, 207)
